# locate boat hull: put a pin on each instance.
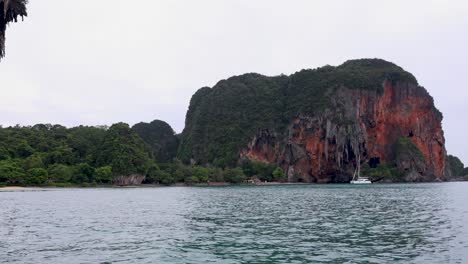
(361, 182)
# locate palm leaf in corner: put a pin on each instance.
(10, 10)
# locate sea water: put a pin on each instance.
(379, 223)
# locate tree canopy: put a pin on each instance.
(456, 166)
(160, 137)
(46, 154)
(53, 154)
(124, 151)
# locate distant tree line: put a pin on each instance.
(46, 154)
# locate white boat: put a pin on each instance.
(357, 179)
(361, 180)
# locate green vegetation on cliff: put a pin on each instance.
(160, 137)
(124, 151)
(455, 166)
(384, 171)
(406, 158)
(222, 119)
(215, 127)
(405, 149)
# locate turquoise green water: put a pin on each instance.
(381, 223)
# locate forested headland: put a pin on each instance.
(53, 155)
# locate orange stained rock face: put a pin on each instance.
(405, 112)
(321, 150)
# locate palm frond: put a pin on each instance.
(10, 10)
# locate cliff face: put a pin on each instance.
(318, 125)
(321, 148)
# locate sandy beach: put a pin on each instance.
(19, 188)
(12, 188)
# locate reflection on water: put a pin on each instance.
(386, 223)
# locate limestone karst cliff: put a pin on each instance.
(319, 125)
(323, 149)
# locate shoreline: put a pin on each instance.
(212, 184)
(22, 188)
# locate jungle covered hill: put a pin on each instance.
(319, 125)
(53, 155)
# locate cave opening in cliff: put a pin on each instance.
(374, 162)
(350, 152)
(411, 134)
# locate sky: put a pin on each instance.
(100, 62)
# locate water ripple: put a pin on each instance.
(394, 223)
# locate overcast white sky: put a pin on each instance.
(99, 62)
